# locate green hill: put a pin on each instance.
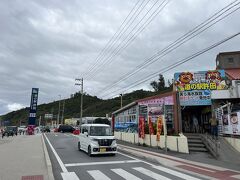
(92, 106)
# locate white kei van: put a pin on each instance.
(97, 139)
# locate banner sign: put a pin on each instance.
(33, 107)
(195, 87)
(231, 123)
(195, 98)
(150, 126)
(164, 100)
(141, 127)
(159, 127)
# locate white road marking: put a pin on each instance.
(136, 159)
(150, 173)
(124, 174)
(66, 134)
(64, 169)
(69, 176)
(175, 173)
(101, 163)
(65, 175)
(56, 135)
(98, 175)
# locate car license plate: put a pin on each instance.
(102, 149)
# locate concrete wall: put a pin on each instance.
(234, 142)
(174, 143)
(224, 61)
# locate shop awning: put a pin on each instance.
(233, 74)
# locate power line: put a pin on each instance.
(178, 63)
(139, 30)
(177, 43)
(115, 37)
(153, 58)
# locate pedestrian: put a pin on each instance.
(195, 124)
(2, 131)
(214, 130)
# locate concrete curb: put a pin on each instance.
(47, 160)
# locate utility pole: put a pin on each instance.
(39, 122)
(165, 126)
(58, 118)
(63, 111)
(52, 117)
(81, 107)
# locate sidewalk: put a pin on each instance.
(196, 163)
(23, 156)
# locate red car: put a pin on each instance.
(76, 132)
(55, 130)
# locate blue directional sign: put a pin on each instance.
(33, 107)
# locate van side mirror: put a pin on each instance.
(85, 133)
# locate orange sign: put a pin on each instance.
(159, 126)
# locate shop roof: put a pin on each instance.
(156, 96)
(125, 107)
(229, 53)
(139, 100)
(233, 74)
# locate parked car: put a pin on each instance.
(22, 129)
(76, 131)
(10, 131)
(55, 129)
(46, 129)
(97, 139)
(65, 128)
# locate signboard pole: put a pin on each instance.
(33, 107)
(165, 127)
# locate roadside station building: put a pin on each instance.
(194, 98)
(127, 118)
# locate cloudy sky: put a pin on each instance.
(48, 43)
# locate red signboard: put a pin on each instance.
(141, 131)
(159, 127)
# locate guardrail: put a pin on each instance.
(212, 144)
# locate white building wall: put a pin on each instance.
(174, 143)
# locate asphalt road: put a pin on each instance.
(71, 164)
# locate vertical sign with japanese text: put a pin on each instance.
(33, 107)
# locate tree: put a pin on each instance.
(160, 85)
(170, 84)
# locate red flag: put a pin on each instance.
(159, 127)
(141, 126)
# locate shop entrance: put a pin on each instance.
(195, 119)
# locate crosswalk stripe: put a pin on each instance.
(125, 174)
(175, 173)
(150, 173)
(101, 163)
(98, 175)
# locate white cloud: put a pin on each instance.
(14, 106)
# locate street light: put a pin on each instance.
(81, 107)
(58, 110)
(121, 99)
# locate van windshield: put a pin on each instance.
(100, 131)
